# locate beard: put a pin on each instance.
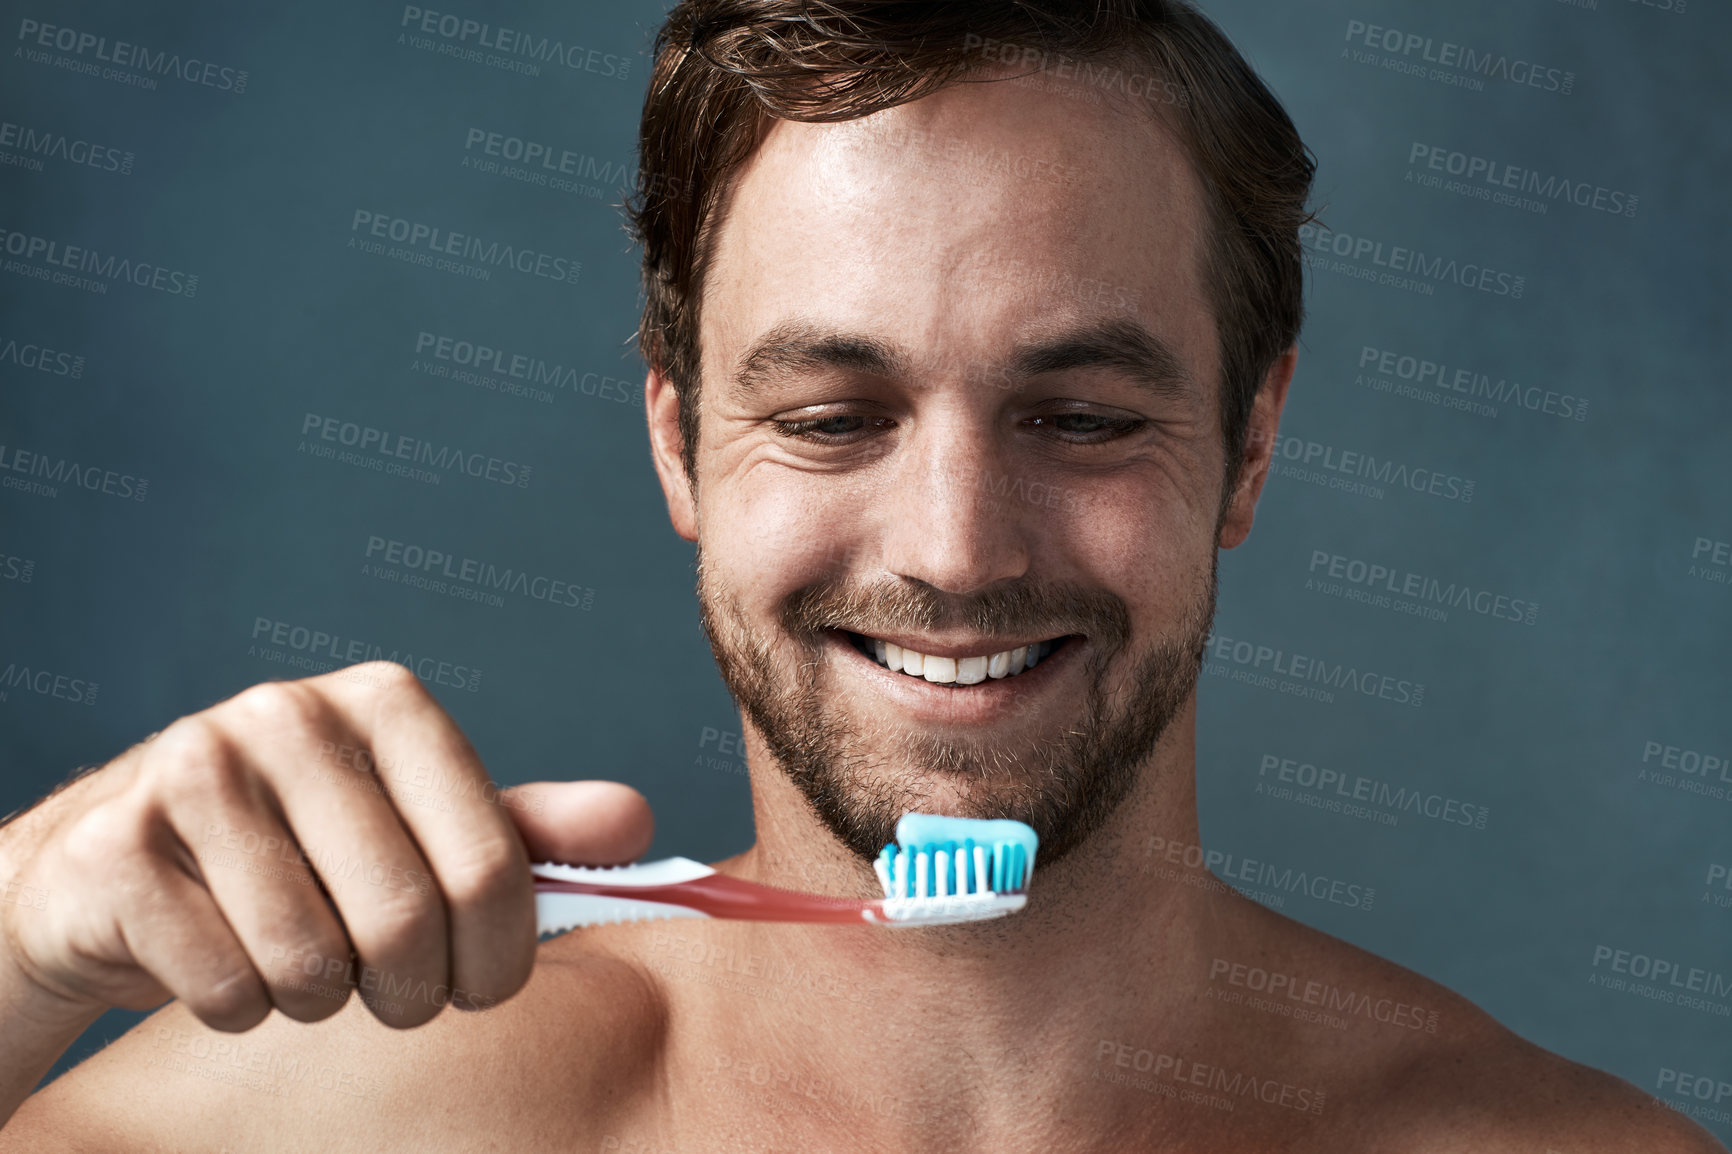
(860, 777)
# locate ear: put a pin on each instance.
(662, 406)
(1259, 449)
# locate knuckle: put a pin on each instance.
(313, 954)
(285, 705)
(405, 926)
(402, 993)
(509, 973)
(234, 1003)
(192, 757)
(490, 870)
(391, 676)
(400, 1015)
(104, 839)
(310, 980)
(187, 739)
(305, 1006)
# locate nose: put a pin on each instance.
(954, 513)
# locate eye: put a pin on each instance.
(829, 430)
(1087, 428)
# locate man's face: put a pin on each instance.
(960, 395)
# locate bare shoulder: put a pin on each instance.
(545, 1070)
(1426, 1071)
(1488, 1090)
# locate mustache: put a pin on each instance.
(1027, 608)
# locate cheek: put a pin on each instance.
(775, 531)
(1152, 549)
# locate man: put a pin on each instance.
(976, 343)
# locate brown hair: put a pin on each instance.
(725, 68)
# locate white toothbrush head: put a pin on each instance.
(954, 869)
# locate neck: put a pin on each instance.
(971, 1033)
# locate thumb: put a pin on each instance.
(580, 822)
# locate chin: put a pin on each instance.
(1052, 745)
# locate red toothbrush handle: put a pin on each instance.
(721, 896)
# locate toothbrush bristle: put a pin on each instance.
(951, 869)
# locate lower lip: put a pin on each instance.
(985, 701)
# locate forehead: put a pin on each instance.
(955, 222)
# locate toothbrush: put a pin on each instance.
(941, 870)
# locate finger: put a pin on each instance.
(177, 935)
(581, 822)
(259, 878)
(445, 799)
(355, 842)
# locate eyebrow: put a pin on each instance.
(1121, 344)
(797, 346)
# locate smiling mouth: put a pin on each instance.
(956, 671)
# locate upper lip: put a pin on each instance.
(977, 648)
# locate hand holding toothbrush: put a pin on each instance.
(283, 848)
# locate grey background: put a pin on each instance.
(1594, 520)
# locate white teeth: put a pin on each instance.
(955, 670)
(939, 669)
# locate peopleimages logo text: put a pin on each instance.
(434, 239)
(521, 366)
(425, 562)
(66, 471)
(512, 42)
(1503, 176)
(1369, 789)
(127, 55)
(440, 458)
(1439, 376)
(1485, 63)
(1412, 262)
(1309, 454)
(46, 144)
(82, 259)
(29, 355)
(1647, 967)
(344, 651)
(1421, 587)
(1305, 668)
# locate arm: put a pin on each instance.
(261, 859)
